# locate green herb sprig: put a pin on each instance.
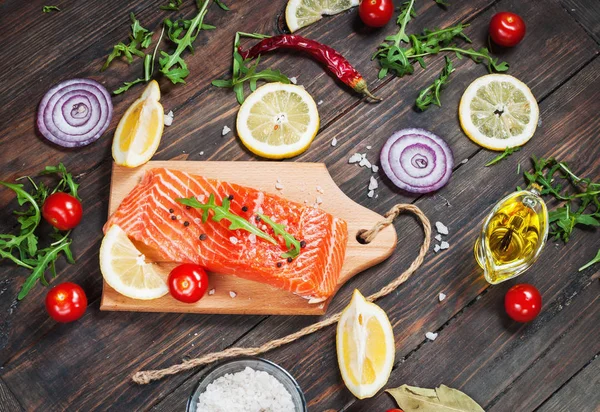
(243, 71)
(23, 248)
(238, 222)
(431, 95)
(172, 5)
(49, 9)
(140, 37)
(591, 262)
(580, 206)
(507, 152)
(291, 242)
(399, 52)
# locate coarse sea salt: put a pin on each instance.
(431, 336)
(294, 80)
(333, 141)
(442, 296)
(168, 120)
(441, 228)
(248, 390)
(225, 130)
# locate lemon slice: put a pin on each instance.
(140, 129)
(365, 347)
(125, 270)
(278, 121)
(301, 13)
(498, 111)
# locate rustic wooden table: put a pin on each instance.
(550, 364)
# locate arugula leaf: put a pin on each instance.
(591, 262)
(23, 248)
(431, 94)
(398, 53)
(49, 9)
(222, 212)
(243, 72)
(222, 5)
(172, 5)
(581, 202)
(507, 152)
(291, 242)
(139, 37)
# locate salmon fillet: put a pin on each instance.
(147, 213)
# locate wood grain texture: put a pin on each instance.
(576, 395)
(587, 13)
(255, 298)
(8, 402)
(86, 365)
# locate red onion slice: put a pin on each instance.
(75, 112)
(417, 161)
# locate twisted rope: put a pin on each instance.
(367, 236)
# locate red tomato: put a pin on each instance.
(523, 302)
(376, 13)
(394, 410)
(188, 282)
(62, 211)
(66, 302)
(507, 29)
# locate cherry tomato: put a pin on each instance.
(376, 13)
(66, 302)
(394, 410)
(523, 302)
(188, 282)
(507, 29)
(62, 210)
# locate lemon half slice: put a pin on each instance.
(278, 121)
(125, 270)
(140, 129)
(301, 13)
(365, 347)
(498, 111)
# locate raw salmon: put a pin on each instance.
(151, 215)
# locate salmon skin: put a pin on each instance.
(151, 215)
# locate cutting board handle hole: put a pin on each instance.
(359, 238)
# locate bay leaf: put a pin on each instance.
(442, 399)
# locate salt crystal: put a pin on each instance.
(355, 158)
(464, 161)
(225, 130)
(201, 153)
(319, 200)
(320, 189)
(232, 294)
(333, 141)
(365, 162)
(436, 248)
(442, 296)
(252, 238)
(169, 118)
(278, 185)
(373, 183)
(438, 238)
(441, 228)
(431, 336)
(375, 168)
(369, 147)
(371, 193)
(211, 292)
(320, 102)
(444, 245)
(294, 80)
(233, 240)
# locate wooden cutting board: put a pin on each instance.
(299, 182)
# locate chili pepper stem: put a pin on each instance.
(361, 87)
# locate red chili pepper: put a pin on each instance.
(334, 61)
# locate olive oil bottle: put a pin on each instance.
(513, 235)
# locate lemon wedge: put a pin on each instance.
(125, 270)
(498, 111)
(140, 129)
(278, 121)
(365, 347)
(301, 13)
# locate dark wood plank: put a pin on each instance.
(414, 309)
(575, 395)
(587, 13)
(8, 402)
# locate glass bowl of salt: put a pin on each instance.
(249, 384)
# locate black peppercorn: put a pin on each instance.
(203, 236)
(173, 217)
(244, 208)
(302, 244)
(289, 259)
(186, 223)
(279, 264)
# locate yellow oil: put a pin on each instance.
(513, 234)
